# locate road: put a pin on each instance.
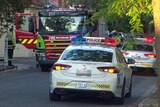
(29, 88)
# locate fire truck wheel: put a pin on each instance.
(44, 68)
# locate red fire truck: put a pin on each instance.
(50, 31)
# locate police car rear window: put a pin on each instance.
(140, 47)
(88, 55)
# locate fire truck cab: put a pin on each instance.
(50, 31)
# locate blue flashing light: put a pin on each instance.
(49, 6)
(79, 40)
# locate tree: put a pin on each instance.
(8, 8)
(156, 9)
(119, 14)
(128, 12)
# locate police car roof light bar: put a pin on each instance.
(78, 40)
(49, 6)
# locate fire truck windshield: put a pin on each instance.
(63, 25)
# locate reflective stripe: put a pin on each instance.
(30, 41)
(35, 42)
(24, 41)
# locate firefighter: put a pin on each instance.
(115, 35)
(92, 32)
(11, 45)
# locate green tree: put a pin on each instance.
(8, 8)
(128, 14)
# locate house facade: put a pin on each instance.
(20, 50)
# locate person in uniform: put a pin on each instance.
(115, 35)
(11, 45)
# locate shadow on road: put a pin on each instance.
(144, 72)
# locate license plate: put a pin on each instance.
(83, 85)
(83, 73)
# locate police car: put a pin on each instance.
(92, 69)
(143, 52)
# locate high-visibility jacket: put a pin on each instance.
(11, 40)
(87, 34)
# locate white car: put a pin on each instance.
(91, 69)
(144, 54)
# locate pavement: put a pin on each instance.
(150, 101)
(27, 63)
(19, 64)
(6, 68)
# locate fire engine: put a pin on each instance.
(50, 31)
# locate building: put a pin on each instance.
(20, 50)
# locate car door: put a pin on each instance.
(127, 71)
(26, 30)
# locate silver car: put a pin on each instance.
(143, 53)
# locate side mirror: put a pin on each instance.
(130, 61)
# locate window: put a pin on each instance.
(23, 22)
(62, 24)
(141, 47)
(120, 57)
(88, 55)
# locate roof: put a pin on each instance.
(92, 47)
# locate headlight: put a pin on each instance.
(42, 54)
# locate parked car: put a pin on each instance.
(91, 69)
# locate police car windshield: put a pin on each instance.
(88, 55)
(62, 25)
(139, 47)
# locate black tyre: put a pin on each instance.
(44, 68)
(154, 71)
(54, 97)
(120, 100)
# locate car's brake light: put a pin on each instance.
(60, 67)
(125, 53)
(108, 69)
(150, 55)
(149, 40)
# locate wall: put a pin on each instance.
(20, 50)
(2, 46)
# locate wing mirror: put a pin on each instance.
(130, 61)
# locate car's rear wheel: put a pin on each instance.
(54, 97)
(120, 100)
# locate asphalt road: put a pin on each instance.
(29, 88)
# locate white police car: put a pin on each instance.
(92, 69)
(143, 52)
